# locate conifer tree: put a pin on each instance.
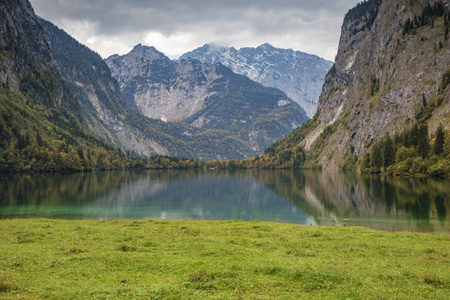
(389, 151)
(414, 135)
(440, 140)
(365, 163)
(423, 146)
(377, 159)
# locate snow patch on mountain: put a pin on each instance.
(299, 75)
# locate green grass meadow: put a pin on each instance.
(158, 259)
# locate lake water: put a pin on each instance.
(302, 197)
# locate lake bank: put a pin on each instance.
(118, 259)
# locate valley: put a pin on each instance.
(389, 80)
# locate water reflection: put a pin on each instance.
(387, 203)
(310, 197)
(146, 194)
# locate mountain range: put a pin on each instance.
(385, 100)
(118, 121)
(103, 108)
(298, 74)
(205, 96)
(235, 118)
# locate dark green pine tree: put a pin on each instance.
(414, 136)
(440, 140)
(365, 163)
(377, 158)
(389, 151)
(423, 146)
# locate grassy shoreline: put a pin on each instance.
(158, 259)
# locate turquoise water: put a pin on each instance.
(309, 198)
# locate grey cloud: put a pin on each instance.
(115, 16)
(225, 20)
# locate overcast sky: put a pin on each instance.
(177, 26)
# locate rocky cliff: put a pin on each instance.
(384, 75)
(205, 96)
(26, 64)
(111, 118)
(298, 74)
(160, 88)
(103, 108)
(389, 74)
(42, 128)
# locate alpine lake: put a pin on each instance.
(310, 198)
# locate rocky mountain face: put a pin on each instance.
(103, 108)
(160, 88)
(47, 120)
(205, 96)
(42, 128)
(110, 117)
(390, 72)
(299, 75)
(26, 64)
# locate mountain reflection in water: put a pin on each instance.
(302, 197)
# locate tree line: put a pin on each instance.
(427, 17)
(35, 138)
(411, 152)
